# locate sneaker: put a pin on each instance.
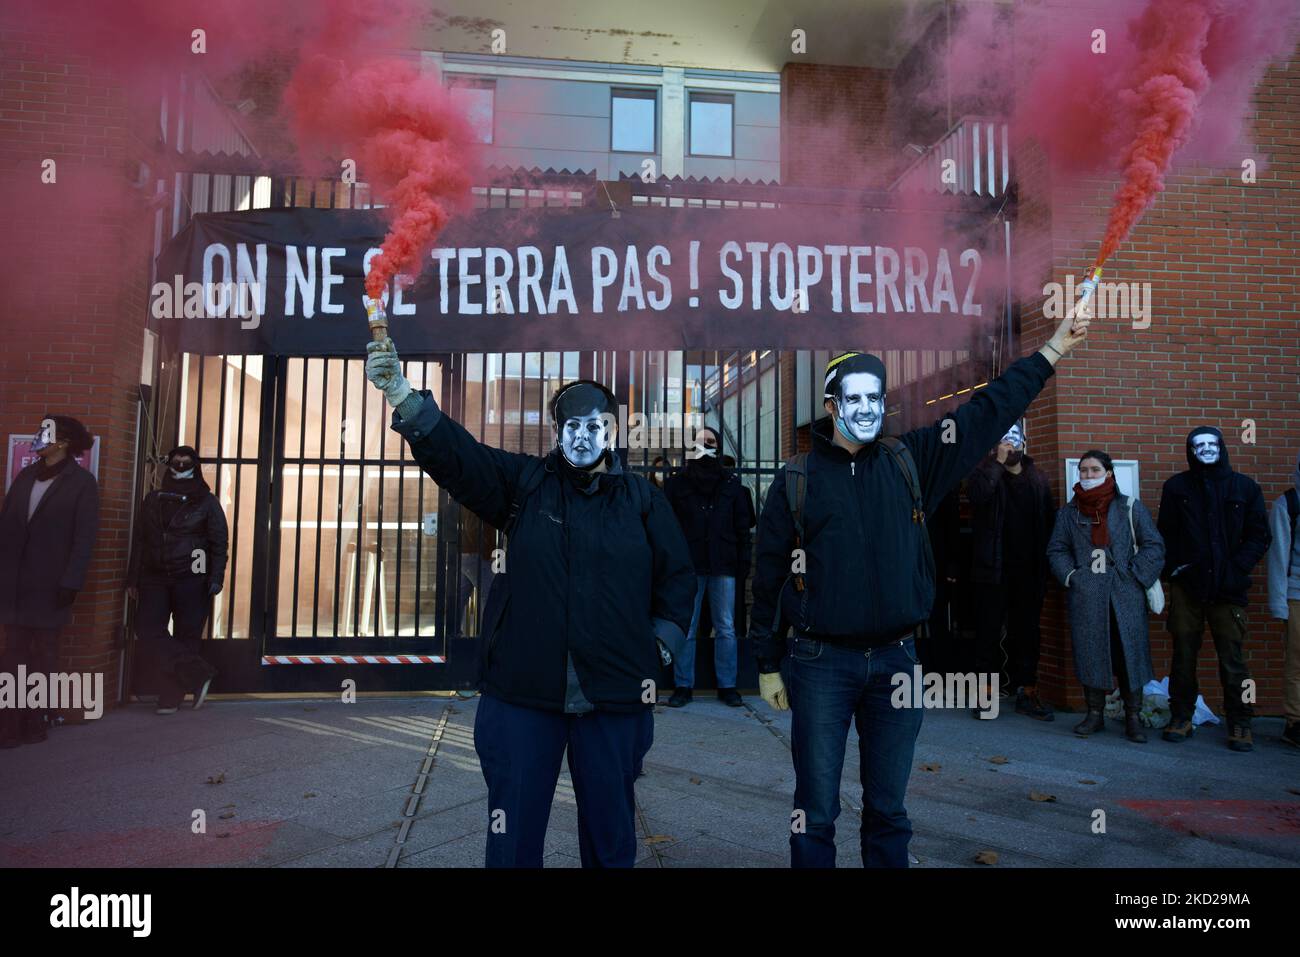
(1291, 735)
(1179, 730)
(201, 693)
(166, 709)
(1239, 738)
(730, 697)
(1028, 703)
(681, 698)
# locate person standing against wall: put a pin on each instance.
(1284, 596)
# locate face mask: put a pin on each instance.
(1089, 484)
(188, 473)
(1206, 449)
(860, 408)
(43, 439)
(583, 439)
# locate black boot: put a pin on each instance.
(1133, 715)
(1094, 721)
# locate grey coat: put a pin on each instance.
(1122, 587)
(50, 552)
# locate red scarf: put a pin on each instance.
(1094, 503)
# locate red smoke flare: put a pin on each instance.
(1170, 82)
(408, 143)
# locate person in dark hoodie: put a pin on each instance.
(716, 513)
(47, 530)
(1215, 529)
(1284, 596)
(844, 557)
(597, 575)
(1013, 516)
(178, 563)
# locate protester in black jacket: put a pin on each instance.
(595, 569)
(1012, 519)
(716, 513)
(177, 564)
(859, 582)
(1215, 528)
(47, 531)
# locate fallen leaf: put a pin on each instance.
(986, 857)
(659, 839)
(931, 767)
(310, 708)
(310, 794)
(999, 759)
(226, 815)
(696, 781)
(224, 834)
(1040, 796)
(1087, 781)
(218, 779)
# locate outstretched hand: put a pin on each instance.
(384, 370)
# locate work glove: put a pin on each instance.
(772, 688)
(384, 370)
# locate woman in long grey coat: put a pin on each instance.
(1091, 554)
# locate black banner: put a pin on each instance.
(289, 281)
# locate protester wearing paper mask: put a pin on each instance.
(1215, 528)
(47, 530)
(1013, 514)
(1105, 550)
(596, 570)
(716, 513)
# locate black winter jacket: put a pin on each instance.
(868, 578)
(986, 487)
(164, 551)
(588, 583)
(1214, 520)
(717, 522)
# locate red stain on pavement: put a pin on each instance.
(173, 845)
(1223, 817)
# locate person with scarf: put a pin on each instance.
(1215, 528)
(1105, 551)
(1284, 596)
(177, 565)
(1012, 515)
(596, 579)
(48, 527)
(716, 513)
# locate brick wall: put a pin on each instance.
(833, 129)
(75, 293)
(1223, 347)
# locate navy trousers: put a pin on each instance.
(520, 749)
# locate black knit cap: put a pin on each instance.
(848, 363)
(66, 427)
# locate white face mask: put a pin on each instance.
(861, 407)
(583, 440)
(1091, 483)
(1206, 448)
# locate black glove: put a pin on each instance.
(215, 586)
(66, 597)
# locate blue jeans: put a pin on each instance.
(829, 686)
(519, 750)
(722, 606)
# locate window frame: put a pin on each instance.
(709, 96)
(477, 83)
(635, 93)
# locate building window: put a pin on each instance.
(633, 121)
(711, 118)
(476, 101)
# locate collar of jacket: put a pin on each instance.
(557, 463)
(823, 431)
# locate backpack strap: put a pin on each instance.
(796, 493)
(902, 457)
(529, 479)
